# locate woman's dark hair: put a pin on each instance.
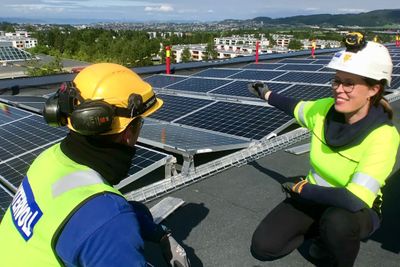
(379, 99)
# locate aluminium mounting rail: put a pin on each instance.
(255, 151)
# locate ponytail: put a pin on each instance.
(379, 99)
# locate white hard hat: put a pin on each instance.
(373, 61)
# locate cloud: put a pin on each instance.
(311, 9)
(160, 8)
(351, 10)
(28, 8)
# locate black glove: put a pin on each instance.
(174, 254)
(293, 189)
(258, 89)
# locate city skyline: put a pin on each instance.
(179, 10)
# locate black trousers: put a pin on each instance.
(291, 222)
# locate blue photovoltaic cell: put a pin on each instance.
(26, 134)
(306, 77)
(308, 92)
(144, 158)
(201, 85)
(395, 84)
(239, 88)
(14, 170)
(33, 103)
(321, 61)
(217, 73)
(189, 139)
(161, 81)
(5, 201)
(243, 120)
(396, 70)
(297, 61)
(262, 66)
(176, 106)
(10, 114)
(325, 69)
(306, 67)
(260, 75)
(23, 139)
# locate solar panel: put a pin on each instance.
(396, 70)
(181, 138)
(9, 53)
(305, 77)
(325, 69)
(306, 67)
(201, 85)
(307, 92)
(25, 135)
(239, 88)
(262, 66)
(5, 200)
(297, 61)
(244, 120)
(260, 75)
(144, 157)
(322, 61)
(32, 103)
(177, 106)
(217, 73)
(160, 81)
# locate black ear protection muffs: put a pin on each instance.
(354, 41)
(89, 117)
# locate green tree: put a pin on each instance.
(53, 67)
(186, 56)
(295, 44)
(211, 52)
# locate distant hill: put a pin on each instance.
(367, 19)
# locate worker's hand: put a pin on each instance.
(174, 254)
(293, 188)
(258, 89)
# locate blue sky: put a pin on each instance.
(201, 10)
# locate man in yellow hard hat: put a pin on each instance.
(66, 211)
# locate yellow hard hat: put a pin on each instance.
(118, 87)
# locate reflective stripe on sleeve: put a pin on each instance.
(318, 179)
(366, 181)
(75, 180)
(301, 114)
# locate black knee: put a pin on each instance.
(338, 224)
(262, 250)
(262, 256)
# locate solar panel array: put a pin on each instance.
(9, 53)
(24, 135)
(217, 100)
